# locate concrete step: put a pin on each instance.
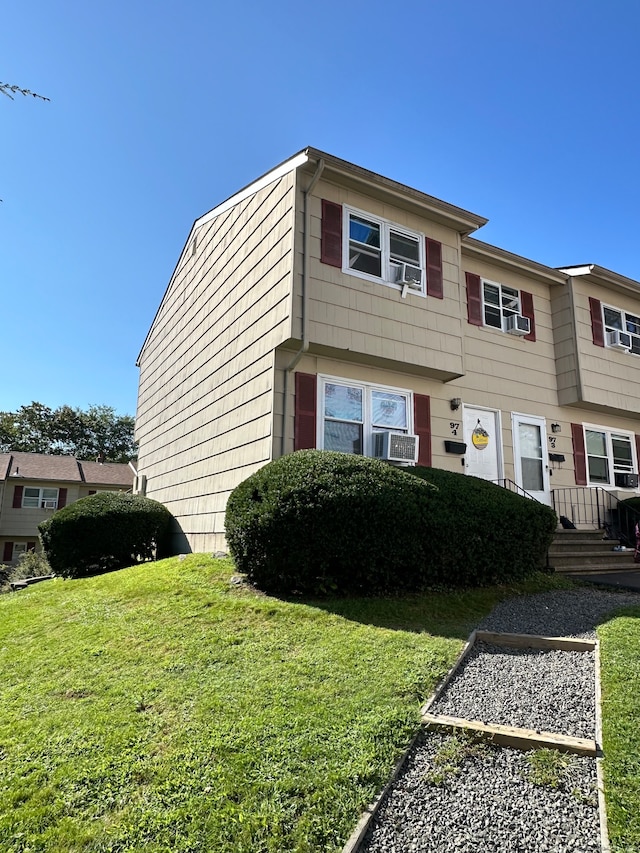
(586, 551)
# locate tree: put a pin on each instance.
(97, 433)
(10, 90)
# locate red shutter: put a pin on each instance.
(305, 415)
(62, 498)
(526, 301)
(17, 497)
(434, 268)
(638, 453)
(474, 299)
(31, 546)
(331, 244)
(92, 491)
(597, 327)
(7, 555)
(422, 427)
(579, 455)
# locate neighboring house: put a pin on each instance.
(35, 485)
(325, 306)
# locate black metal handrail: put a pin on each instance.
(596, 507)
(513, 487)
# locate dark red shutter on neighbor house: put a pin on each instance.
(422, 427)
(7, 554)
(31, 546)
(597, 328)
(305, 412)
(638, 449)
(579, 455)
(17, 497)
(62, 498)
(331, 232)
(474, 299)
(526, 302)
(434, 268)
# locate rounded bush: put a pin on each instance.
(322, 522)
(106, 531)
(484, 532)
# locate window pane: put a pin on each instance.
(595, 443)
(389, 410)
(530, 441)
(364, 261)
(31, 497)
(532, 475)
(598, 470)
(633, 324)
(49, 494)
(492, 316)
(491, 294)
(613, 319)
(345, 438)
(364, 232)
(404, 248)
(511, 300)
(622, 458)
(342, 402)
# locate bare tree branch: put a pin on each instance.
(9, 90)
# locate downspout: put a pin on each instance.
(304, 341)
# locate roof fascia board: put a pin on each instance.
(347, 173)
(605, 277)
(485, 251)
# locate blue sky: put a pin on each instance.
(526, 113)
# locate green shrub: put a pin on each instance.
(106, 531)
(317, 522)
(485, 533)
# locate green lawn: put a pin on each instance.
(162, 708)
(620, 656)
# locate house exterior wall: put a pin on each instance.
(205, 397)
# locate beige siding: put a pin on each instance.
(24, 522)
(372, 320)
(609, 380)
(205, 398)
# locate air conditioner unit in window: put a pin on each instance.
(516, 324)
(395, 446)
(618, 340)
(626, 481)
(49, 504)
(409, 275)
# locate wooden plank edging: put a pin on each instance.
(602, 805)
(535, 641)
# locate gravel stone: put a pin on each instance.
(486, 801)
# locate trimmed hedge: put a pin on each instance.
(322, 522)
(485, 533)
(103, 532)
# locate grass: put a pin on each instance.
(620, 657)
(162, 708)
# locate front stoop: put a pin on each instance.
(586, 551)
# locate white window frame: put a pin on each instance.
(19, 548)
(386, 227)
(629, 323)
(609, 434)
(505, 311)
(41, 500)
(368, 427)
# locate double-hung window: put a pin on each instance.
(33, 497)
(610, 457)
(353, 411)
(622, 330)
(379, 250)
(498, 303)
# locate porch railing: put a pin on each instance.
(599, 508)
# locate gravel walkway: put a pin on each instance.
(454, 796)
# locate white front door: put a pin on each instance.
(530, 456)
(483, 457)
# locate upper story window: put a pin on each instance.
(39, 498)
(353, 412)
(498, 306)
(610, 457)
(382, 251)
(621, 329)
